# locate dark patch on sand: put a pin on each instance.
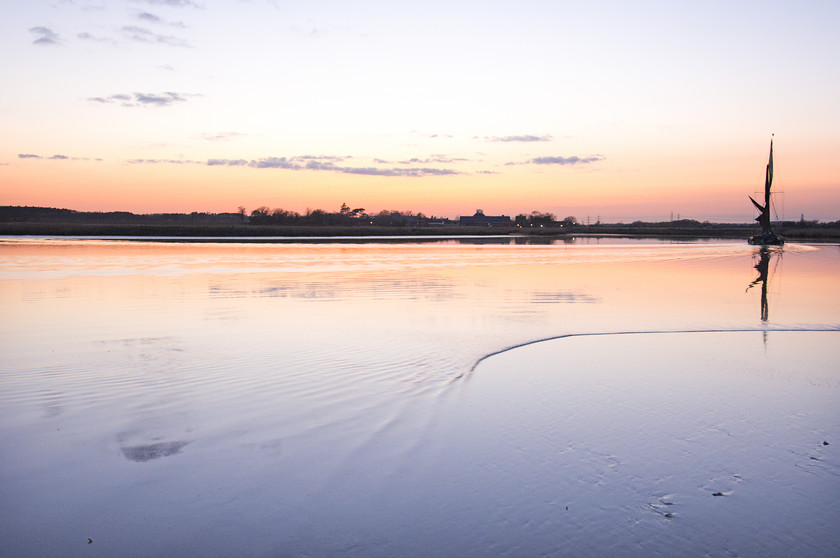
(152, 451)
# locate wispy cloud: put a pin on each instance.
(221, 136)
(573, 160)
(46, 36)
(57, 157)
(146, 16)
(119, 97)
(227, 163)
(140, 34)
(525, 138)
(143, 35)
(412, 172)
(445, 159)
(136, 99)
(431, 135)
(329, 164)
(85, 36)
(171, 3)
(149, 17)
(313, 163)
(87, 5)
(159, 99)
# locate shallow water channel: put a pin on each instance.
(589, 397)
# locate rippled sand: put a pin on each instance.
(655, 444)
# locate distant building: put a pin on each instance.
(482, 220)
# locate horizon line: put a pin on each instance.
(731, 219)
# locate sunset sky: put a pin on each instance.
(610, 109)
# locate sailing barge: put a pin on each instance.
(767, 237)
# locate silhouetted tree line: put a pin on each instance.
(23, 214)
(539, 219)
(345, 216)
(386, 218)
(357, 217)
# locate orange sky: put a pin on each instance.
(600, 110)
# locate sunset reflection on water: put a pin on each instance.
(285, 365)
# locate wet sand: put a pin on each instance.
(658, 444)
(718, 444)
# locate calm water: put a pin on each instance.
(353, 398)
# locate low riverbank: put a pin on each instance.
(810, 233)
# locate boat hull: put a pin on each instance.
(766, 239)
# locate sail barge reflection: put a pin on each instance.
(763, 267)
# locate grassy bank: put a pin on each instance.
(648, 230)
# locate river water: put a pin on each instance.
(416, 397)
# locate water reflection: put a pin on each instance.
(763, 267)
(308, 388)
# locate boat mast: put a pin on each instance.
(764, 210)
(767, 237)
(768, 181)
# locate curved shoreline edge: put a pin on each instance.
(825, 329)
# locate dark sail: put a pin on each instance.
(763, 216)
(767, 235)
(764, 210)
